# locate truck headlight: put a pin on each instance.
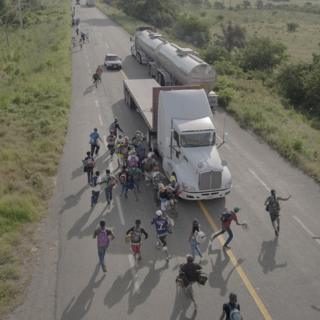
(188, 188)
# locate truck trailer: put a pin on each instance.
(170, 64)
(181, 130)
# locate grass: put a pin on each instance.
(35, 76)
(253, 105)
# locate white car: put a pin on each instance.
(112, 61)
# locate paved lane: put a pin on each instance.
(279, 270)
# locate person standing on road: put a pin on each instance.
(135, 234)
(88, 166)
(231, 310)
(104, 236)
(109, 182)
(96, 181)
(195, 249)
(272, 205)
(162, 230)
(94, 142)
(226, 219)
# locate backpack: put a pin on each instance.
(136, 235)
(225, 217)
(89, 163)
(123, 178)
(103, 239)
(235, 314)
(200, 236)
(133, 162)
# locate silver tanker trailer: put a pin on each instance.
(170, 64)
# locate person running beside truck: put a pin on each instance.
(135, 235)
(114, 127)
(96, 188)
(226, 218)
(88, 166)
(231, 310)
(272, 205)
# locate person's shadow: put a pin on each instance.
(267, 256)
(216, 278)
(73, 199)
(181, 305)
(77, 309)
(149, 283)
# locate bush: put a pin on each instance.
(292, 26)
(215, 53)
(262, 54)
(192, 29)
(233, 36)
(224, 88)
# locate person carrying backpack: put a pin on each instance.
(231, 310)
(88, 166)
(135, 235)
(96, 182)
(114, 127)
(226, 218)
(103, 236)
(94, 142)
(194, 239)
(272, 205)
(109, 182)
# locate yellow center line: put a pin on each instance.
(124, 75)
(238, 268)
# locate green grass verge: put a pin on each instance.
(35, 88)
(253, 105)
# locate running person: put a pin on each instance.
(195, 249)
(273, 207)
(114, 127)
(135, 234)
(88, 165)
(111, 144)
(94, 142)
(95, 192)
(104, 236)
(226, 219)
(109, 182)
(231, 310)
(162, 230)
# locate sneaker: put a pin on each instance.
(226, 246)
(168, 258)
(276, 232)
(104, 269)
(139, 258)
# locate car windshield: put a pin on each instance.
(197, 138)
(112, 58)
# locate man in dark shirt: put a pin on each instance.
(135, 234)
(190, 272)
(231, 310)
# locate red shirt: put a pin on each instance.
(226, 224)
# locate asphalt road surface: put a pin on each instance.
(274, 278)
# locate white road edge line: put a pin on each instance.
(107, 45)
(100, 120)
(306, 229)
(96, 103)
(259, 179)
(120, 211)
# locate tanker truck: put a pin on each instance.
(181, 130)
(170, 64)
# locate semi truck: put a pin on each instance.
(181, 130)
(170, 64)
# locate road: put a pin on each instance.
(273, 278)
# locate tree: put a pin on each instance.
(234, 36)
(262, 54)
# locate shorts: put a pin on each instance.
(274, 216)
(135, 247)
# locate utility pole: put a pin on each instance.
(20, 13)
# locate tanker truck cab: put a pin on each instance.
(186, 141)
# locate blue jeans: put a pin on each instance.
(108, 192)
(195, 248)
(222, 231)
(101, 253)
(94, 197)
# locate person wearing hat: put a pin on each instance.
(135, 234)
(226, 218)
(162, 230)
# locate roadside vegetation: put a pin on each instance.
(34, 103)
(267, 59)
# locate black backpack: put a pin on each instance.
(225, 217)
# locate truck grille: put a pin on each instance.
(210, 180)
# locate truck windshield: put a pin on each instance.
(197, 138)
